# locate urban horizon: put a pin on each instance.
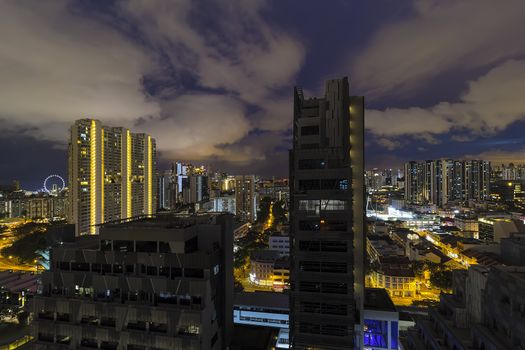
(254, 175)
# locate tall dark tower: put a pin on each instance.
(327, 220)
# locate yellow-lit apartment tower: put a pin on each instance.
(112, 175)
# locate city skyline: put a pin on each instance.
(454, 99)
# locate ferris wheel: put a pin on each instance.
(54, 183)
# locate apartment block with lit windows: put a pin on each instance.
(445, 181)
(245, 198)
(112, 175)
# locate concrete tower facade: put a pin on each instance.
(327, 220)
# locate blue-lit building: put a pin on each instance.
(381, 321)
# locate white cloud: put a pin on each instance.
(56, 67)
(191, 126)
(440, 36)
(490, 104)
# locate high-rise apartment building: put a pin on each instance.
(327, 220)
(158, 283)
(443, 181)
(112, 175)
(246, 198)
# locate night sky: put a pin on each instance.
(212, 80)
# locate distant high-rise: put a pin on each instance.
(443, 181)
(327, 220)
(245, 198)
(112, 175)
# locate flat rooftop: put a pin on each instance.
(379, 300)
(164, 220)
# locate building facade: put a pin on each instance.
(327, 220)
(112, 175)
(156, 283)
(443, 181)
(246, 198)
(280, 243)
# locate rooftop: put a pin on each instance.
(378, 299)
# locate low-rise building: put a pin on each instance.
(495, 228)
(262, 264)
(381, 321)
(281, 274)
(396, 275)
(280, 243)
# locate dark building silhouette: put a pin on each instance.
(154, 283)
(326, 217)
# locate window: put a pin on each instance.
(105, 245)
(311, 266)
(307, 185)
(164, 271)
(311, 164)
(334, 287)
(335, 330)
(310, 328)
(63, 265)
(309, 146)
(164, 247)
(334, 267)
(176, 272)
(312, 287)
(191, 245)
(117, 268)
(309, 225)
(394, 333)
(123, 246)
(311, 307)
(334, 246)
(334, 309)
(194, 273)
(151, 270)
(310, 130)
(332, 225)
(146, 246)
(334, 184)
(309, 246)
(376, 333)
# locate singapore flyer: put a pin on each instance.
(52, 180)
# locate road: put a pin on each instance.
(463, 261)
(9, 263)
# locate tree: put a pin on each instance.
(264, 209)
(442, 279)
(279, 212)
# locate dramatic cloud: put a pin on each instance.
(216, 72)
(56, 67)
(490, 104)
(439, 36)
(192, 126)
